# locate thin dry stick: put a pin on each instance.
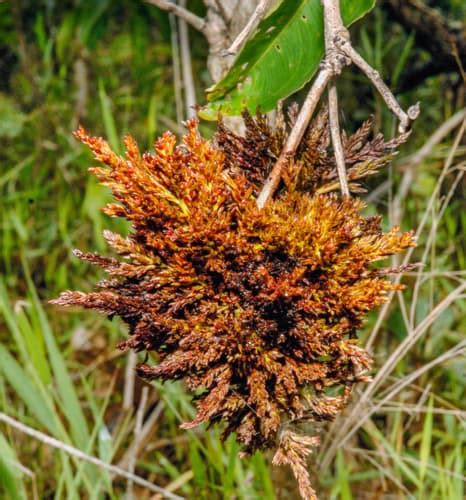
(403, 309)
(383, 312)
(414, 416)
(429, 245)
(440, 133)
(384, 91)
(143, 435)
(137, 432)
(336, 138)
(27, 472)
(395, 406)
(418, 157)
(130, 375)
(186, 67)
(385, 472)
(177, 483)
(338, 54)
(454, 352)
(177, 83)
(354, 420)
(195, 21)
(246, 32)
(75, 452)
(338, 429)
(409, 459)
(295, 136)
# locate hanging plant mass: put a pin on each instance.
(257, 309)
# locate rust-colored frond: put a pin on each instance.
(314, 169)
(292, 450)
(257, 310)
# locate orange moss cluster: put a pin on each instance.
(256, 309)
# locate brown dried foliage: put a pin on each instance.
(313, 169)
(292, 450)
(258, 309)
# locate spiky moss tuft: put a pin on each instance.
(259, 309)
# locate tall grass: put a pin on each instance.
(108, 65)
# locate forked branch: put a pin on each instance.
(338, 53)
(246, 32)
(296, 134)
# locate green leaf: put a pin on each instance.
(198, 466)
(26, 390)
(8, 483)
(279, 59)
(10, 474)
(108, 118)
(343, 478)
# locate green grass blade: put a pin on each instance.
(11, 483)
(35, 347)
(263, 475)
(8, 482)
(20, 381)
(377, 436)
(343, 475)
(426, 441)
(198, 467)
(69, 401)
(107, 117)
(12, 325)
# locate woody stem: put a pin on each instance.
(331, 66)
(336, 138)
(295, 136)
(338, 53)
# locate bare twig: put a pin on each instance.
(383, 312)
(71, 450)
(143, 436)
(336, 138)
(250, 27)
(354, 420)
(338, 54)
(130, 375)
(440, 133)
(137, 433)
(195, 21)
(384, 91)
(295, 136)
(176, 64)
(186, 67)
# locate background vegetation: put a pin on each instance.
(109, 66)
